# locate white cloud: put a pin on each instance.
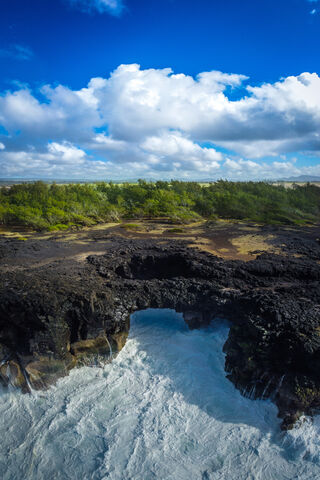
(155, 123)
(56, 160)
(172, 148)
(2, 146)
(114, 7)
(66, 153)
(232, 165)
(108, 144)
(239, 169)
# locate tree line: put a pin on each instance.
(56, 207)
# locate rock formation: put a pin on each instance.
(66, 313)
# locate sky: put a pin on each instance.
(159, 89)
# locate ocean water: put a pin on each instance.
(162, 409)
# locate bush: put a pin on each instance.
(55, 207)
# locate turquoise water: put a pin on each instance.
(162, 409)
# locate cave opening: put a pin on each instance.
(156, 267)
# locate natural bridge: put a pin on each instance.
(58, 315)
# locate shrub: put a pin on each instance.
(48, 207)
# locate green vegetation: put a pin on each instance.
(131, 226)
(58, 207)
(175, 230)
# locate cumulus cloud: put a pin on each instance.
(55, 160)
(114, 7)
(172, 149)
(154, 123)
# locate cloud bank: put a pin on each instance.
(156, 124)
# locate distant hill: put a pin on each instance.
(301, 178)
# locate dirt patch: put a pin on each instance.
(253, 244)
(229, 240)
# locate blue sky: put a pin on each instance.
(159, 88)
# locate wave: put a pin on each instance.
(163, 409)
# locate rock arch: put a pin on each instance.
(51, 318)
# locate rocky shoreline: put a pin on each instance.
(68, 312)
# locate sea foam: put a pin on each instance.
(163, 409)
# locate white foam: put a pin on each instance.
(162, 409)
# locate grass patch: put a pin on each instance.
(131, 226)
(59, 227)
(246, 244)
